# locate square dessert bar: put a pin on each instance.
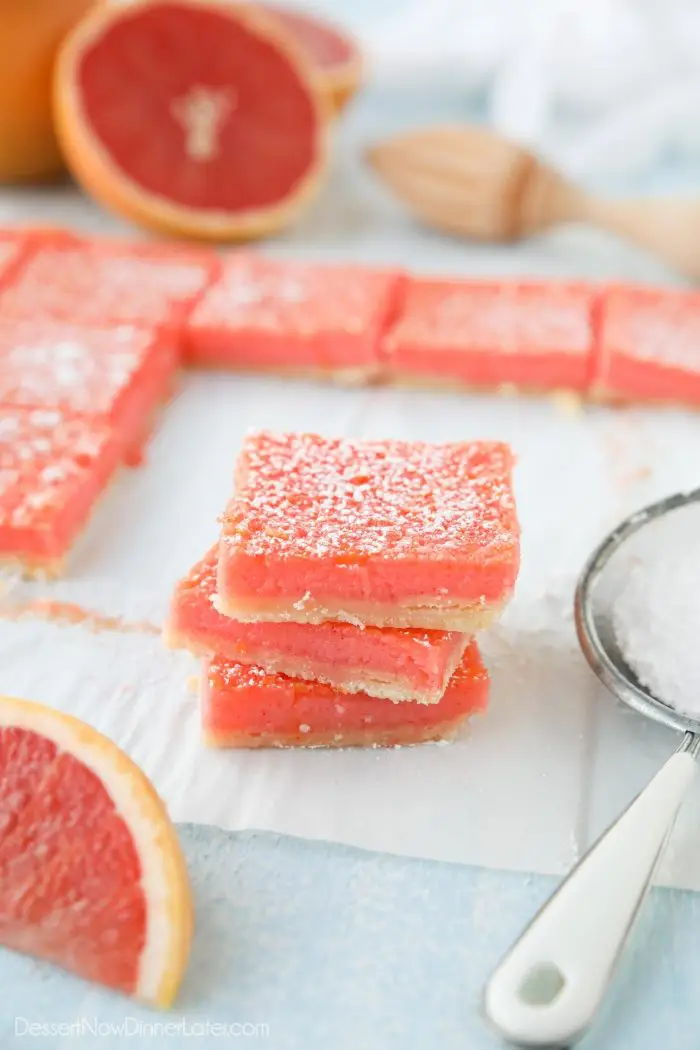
(388, 533)
(121, 374)
(536, 336)
(245, 706)
(389, 663)
(14, 247)
(53, 467)
(100, 283)
(648, 346)
(272, 315)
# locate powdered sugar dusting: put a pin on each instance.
(656, 615)
(494, 317)
(111, 283)
(309, 496)
(292, 298)
(44, 455)
(81, 369)
(655, 326)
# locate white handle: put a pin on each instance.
(547, 989)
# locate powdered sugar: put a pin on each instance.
(119, 283)
(295, 299)
(44, 456)
(309, 496)
(656, 616)
(82, 369)
(489, 317)
(652, 325)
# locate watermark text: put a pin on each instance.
(135, 1027)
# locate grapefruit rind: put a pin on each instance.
(339, 80)
(343, 81)
(165, 880)
(92, 166)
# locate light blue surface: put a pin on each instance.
(333, 948)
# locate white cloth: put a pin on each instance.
(601, 86)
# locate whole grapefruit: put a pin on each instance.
(31, 32)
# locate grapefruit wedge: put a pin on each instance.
(335, 55)
(91, 873)
(195, 118)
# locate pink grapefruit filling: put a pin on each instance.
(327, 528)
(266, 314)
(120, 374)
(54, 467)
(244, 706)
(394, 664)
(14, 249)
(647, 347)
(477, 578)
(109, 283)
(536, 336)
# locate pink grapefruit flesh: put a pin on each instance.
(334, 53)
(91, 874)
(191, 116)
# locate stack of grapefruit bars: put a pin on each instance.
(339, 606)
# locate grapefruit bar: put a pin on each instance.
(390, 663)
(120, 374)
(53, 467)
(109, 282)
(246, 706)
(387, 533)
(531, 336)
(648, 346)
(270, 315)
(15, 247)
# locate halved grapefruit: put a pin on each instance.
(197, 118)
(334, 53)
(91, 873)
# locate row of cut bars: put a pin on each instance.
(245, 311)
(615, 344)
(91, 332)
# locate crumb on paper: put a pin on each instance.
(568, 402)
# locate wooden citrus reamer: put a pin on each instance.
(470, 181)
